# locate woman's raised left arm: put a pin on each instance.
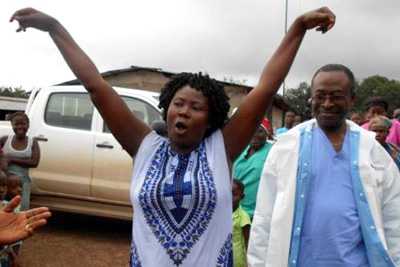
(239, 130)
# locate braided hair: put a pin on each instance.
(218, 101)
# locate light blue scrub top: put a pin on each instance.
(331, 234)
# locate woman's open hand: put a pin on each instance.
(29, 17)
(18, 226)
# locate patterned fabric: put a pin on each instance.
(225, 258)
(175, 206)
(182, 204)
(134, 258)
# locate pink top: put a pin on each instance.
(394, 133)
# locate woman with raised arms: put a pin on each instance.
(181, 186)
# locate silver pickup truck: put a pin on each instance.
(82, 169)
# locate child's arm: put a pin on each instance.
(246, 234)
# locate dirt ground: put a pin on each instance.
(71, 240)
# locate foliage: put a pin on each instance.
(378, 86)
(298, 99)
(13, 92)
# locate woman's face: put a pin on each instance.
(20, 126)
(187, 119)
(259, 138)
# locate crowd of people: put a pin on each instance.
(208, 190)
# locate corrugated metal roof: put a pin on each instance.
(277, 99)
(12, 103)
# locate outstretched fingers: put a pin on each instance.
(13, 204)
(36, 218)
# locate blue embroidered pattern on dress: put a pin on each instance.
(225, 257)
(178, 199)
(134, 258)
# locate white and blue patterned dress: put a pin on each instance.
(182, 205)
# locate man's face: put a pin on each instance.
(331, 99)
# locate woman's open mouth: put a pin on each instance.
(180, 127)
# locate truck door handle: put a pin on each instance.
(41, 138)
(105, 145)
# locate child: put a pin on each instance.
(3, 189)
(14, 187)
(9, 187)
(3, 161)
(241, 226)
(4, 257)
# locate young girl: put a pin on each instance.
(22, 153)
(8, 254)
(181, 187)
(241, 226)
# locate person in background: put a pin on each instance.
(3, 163)
(241, 226)
(381, 125)
(289, 123)
(396, 114)
(357, 118)
(248, 166)
(378, 106)
(14, 187)
(394, 131)
(4, 252)
(10, 253)
(329, 193)
(375, 106)
(297, 120)
(22, 152)
(3, 189)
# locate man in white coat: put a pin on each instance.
(329, 194)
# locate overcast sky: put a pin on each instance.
(222, 37)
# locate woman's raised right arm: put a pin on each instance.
(126, 128)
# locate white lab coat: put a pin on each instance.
(272, 223)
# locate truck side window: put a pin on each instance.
(69, 110)
(141, 109)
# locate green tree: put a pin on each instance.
(13, 92)
(378, 86)
(298, 99)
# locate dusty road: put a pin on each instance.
(74, 240)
